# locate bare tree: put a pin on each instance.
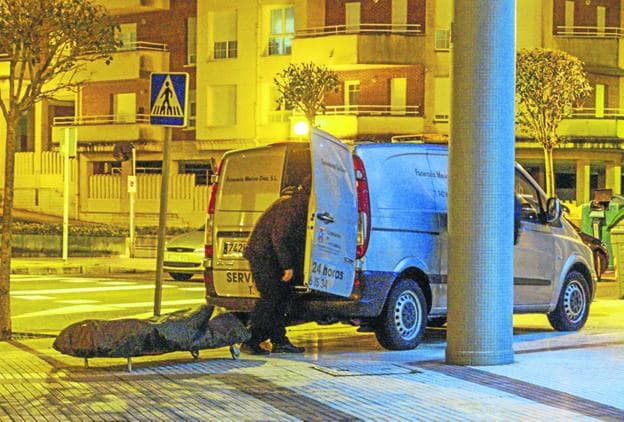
(549, 83)
(303, 86)
(46, 44)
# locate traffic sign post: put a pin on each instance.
(169, 99)
(68, 149)
(168, 107)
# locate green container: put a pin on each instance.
(610, 218)
(617, 241)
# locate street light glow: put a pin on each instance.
(301, 128)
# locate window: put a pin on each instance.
(282, 31)
(225, 37)
(221, 105)
(201, 169)
(191, 40)
(442, 40)
(352, 16)
(569, 16)
(106, 167)
(599, 95)
(442, 99)
(149, 167)
(192, 115)
(128, 36)
(352, 95)
(225, 49)
(398, 96)
(529, 198)
(125, 107)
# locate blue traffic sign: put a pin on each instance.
(168, 99)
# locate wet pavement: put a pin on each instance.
(344, 375)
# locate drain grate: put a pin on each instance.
(354, 369)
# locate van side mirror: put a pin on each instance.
(553, 210)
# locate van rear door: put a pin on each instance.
(332, 217)
(250, 181)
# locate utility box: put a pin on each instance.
(600, 216)
(617, 241)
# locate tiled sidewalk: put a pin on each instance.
(344, 375)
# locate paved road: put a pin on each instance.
(46, 304)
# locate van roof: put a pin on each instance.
(402, 146)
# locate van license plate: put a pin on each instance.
(233, 249)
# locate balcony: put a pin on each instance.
(125, 7)
(595, 46)
(348, 121)
(108, 129)
(364, 44)
(592, 123)
(134, 60)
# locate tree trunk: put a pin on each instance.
(5, 241)
(549, 168)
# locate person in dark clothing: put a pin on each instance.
(275, 252)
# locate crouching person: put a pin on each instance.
(275, 252)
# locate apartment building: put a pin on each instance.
(392, 58)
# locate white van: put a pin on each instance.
(377, 238)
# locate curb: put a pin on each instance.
(77, 270)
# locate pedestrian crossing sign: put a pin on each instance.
(168, 99)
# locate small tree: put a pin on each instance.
(549, 83)
(303, 86)
(46, 43)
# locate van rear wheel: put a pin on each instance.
(402, 322)
(573, 305)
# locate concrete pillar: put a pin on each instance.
(614, 178)
(481, 184)
(583, 171)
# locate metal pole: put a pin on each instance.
(132, 201)
(481, 184)
(66, 195)
(162, 222)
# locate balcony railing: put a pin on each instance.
(100, 120)
(590, 31)
(592, 113)
(142, 45)
(372, 110)
(362, 28)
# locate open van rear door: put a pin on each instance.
(332, 217)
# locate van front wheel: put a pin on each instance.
(573, 304)
(402, 322)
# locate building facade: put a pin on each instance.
(392, 58)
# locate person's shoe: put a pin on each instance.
(287, 347)
(254, 349)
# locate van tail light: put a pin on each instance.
(208, 248)
(363, 207)
(213, 190)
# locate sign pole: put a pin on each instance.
(162, 222)
(68, 147)
(66, 196)
(132, 191)
(168, 108)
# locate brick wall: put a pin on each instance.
(585, 14)
(374, 12)
(375, 85)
